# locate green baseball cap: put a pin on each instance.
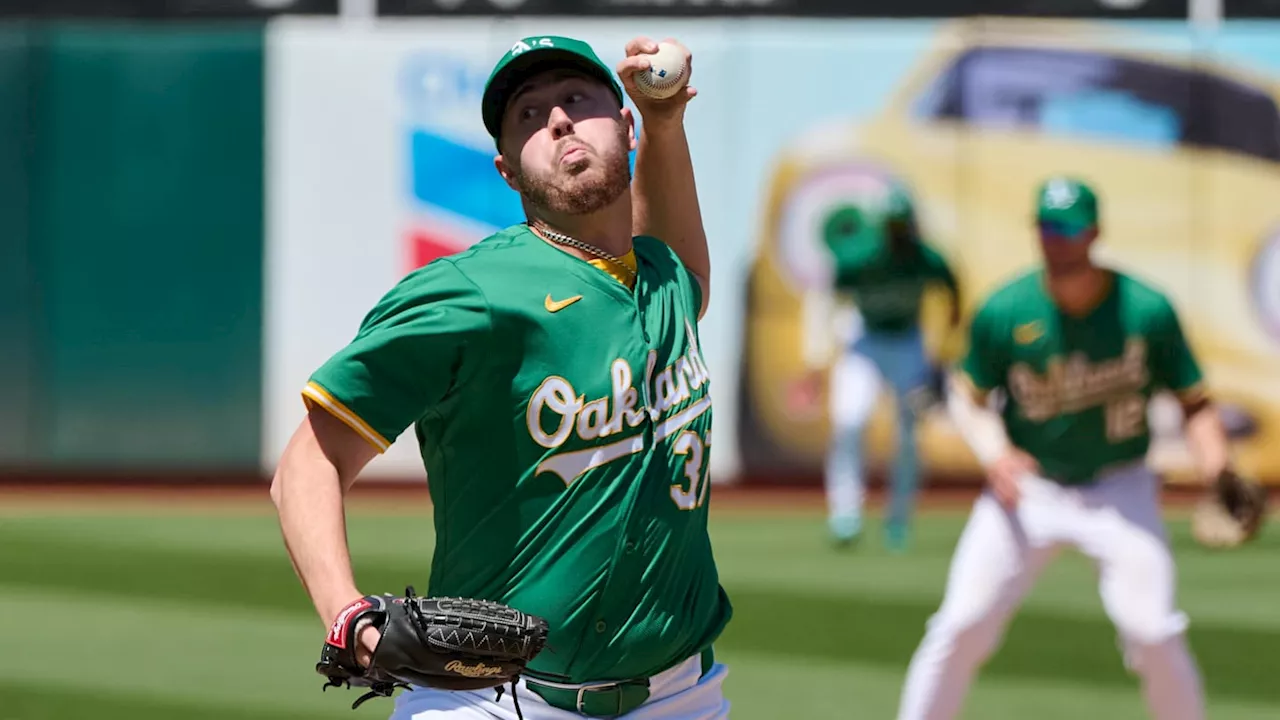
(899, 205)
(1066, 205)
(533, 55)
(854, 234)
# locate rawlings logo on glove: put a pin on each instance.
(473, 671)
(446, 643)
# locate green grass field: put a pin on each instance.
(196, 616)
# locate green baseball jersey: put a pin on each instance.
(1078, 387)
(888, 288)
(565, 425)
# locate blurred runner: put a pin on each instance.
(881, 263)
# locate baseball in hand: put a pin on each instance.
(667, 74)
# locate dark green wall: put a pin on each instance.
(145, 180)
(16, 309)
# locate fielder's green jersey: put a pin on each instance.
(888, 288)
(1078, 387)
(565, 424)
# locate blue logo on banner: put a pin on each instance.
(455, 197)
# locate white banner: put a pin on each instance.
(377, 161)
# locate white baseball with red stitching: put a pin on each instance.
(667, 73)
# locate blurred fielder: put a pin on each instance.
(1076, 351)
(880, 261)
(553, 377)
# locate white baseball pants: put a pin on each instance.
(681, 693)
(898, 360)
(1116, 522)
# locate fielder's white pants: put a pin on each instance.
(1115, 522)
(681, 693)
(875, 359)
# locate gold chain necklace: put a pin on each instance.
(563, 239)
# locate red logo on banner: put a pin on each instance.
(425, 246)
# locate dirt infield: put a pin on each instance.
(240, 496)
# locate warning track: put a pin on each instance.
(240, 496)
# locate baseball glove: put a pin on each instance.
(1231, 514)
(446, 643)
(929, 394)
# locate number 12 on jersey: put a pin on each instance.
(1126, 418)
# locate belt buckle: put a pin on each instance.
(582, 693)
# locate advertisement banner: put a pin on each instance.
(1129, 9)
(1251, 8)
(378, 163)
(188, 9)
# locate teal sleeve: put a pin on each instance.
(695, 290)
(419, 342)
(670, 265)
(987, 360)
(1173, 364)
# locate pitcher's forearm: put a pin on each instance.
(1207, 440)
(665, 196)
(309, 499)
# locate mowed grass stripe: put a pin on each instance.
(170, 652)
(1239, 663)
(768, 686)
(213, 560)
(860, 624)
(407, 538)
(57, 701)
(206, 577)
(1236, 589)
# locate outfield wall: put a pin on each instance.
(131, 207)
(199, 214)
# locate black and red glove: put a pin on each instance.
(445, 643)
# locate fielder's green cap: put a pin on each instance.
(898, 205)
(1066, 204)
(533, 55)
(855, 234)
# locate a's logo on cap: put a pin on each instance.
(1060, 194)
(528, 44)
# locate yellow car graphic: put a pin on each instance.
(1185, 155)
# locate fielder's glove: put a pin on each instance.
(930, 394)
(446, 643)
(1232, 512)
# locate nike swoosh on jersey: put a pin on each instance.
(1028, 333)
(558, 305)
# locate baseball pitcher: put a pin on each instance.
(553, 376)
(1075, 351)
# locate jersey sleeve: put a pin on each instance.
(695, 290)
(672, 267)
(986, 362)
(1173, 364)
(937, 268)
(419, 342)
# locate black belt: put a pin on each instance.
(602, 699)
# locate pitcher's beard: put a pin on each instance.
(568, 193)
